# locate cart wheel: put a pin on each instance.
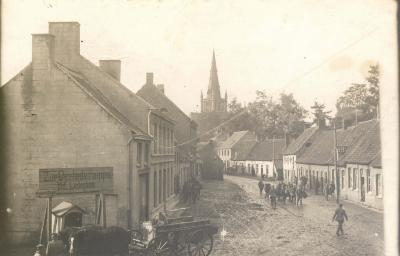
(200, 244)
(158, 247)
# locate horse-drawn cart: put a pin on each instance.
(177, 236)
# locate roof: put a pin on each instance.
(361, 144)
(265, 150)
(294, 147)
(367, 148)
(233, 139)
(377, 162)
(320, 150)
(242, 149)
(65, 207)
(183, 123)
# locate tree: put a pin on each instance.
(320, 115)
(360, 101)
(234, 106)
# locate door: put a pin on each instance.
(362, 190)
(144, 197)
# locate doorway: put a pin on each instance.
(144, 197)
(362, 189)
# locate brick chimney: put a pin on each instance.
(161, 88)
(42, 55)
(149, 78)
(111, 67)
(67, 41)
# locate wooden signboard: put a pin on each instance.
(75, 180)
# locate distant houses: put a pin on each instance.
(312, 155)
(358, 159)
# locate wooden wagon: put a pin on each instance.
(178, 236)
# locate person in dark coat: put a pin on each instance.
(267, 189)
(261, 186)
(339, 216)
(272, 197)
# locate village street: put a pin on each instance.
(254, 228)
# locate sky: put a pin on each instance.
(313, 49)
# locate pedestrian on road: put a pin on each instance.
(339, 216)
(261, 186)
(272, 197)
(267, 189)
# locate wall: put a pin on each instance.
(289, 167)
(267, 165)
(354, 194)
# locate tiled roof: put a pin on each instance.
(360, 144)
(242, 149)
(320, 150)
(367, 148)
(264, 150)
(377, 162)
(133, 107)
(233, 139)
(299, 142)
(183, 123)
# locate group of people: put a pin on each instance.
(328, 190)
(292, 192)
(191, 191)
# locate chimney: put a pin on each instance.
(111, 67)
(161, 88)
(67, 41)
(42, 55)
(149, 78)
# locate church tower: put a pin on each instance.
(213, 101)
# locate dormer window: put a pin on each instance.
(342, 149)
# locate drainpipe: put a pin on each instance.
(129, 183)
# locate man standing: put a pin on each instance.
(261, 186)
(339, 216)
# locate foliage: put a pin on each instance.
(319, 113)
(360, 101)
(267, 117)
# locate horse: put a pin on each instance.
(108, 241)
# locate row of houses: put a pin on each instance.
(312, 155)
(63, 111)
(242, 153)
(358, 159)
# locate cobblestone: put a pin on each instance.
(254, 228)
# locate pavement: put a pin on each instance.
(252, 227)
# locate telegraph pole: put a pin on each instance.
(335, 161)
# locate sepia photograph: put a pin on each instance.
(199, 128)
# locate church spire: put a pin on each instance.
(213, 91)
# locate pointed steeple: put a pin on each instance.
(213, 91)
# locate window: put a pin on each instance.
(368, 180)
(378, 184)
(155, 189)
(139, 154)
(349, 177)
(146, 154)
(159, 140)
(354, 178)
(155, 141)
